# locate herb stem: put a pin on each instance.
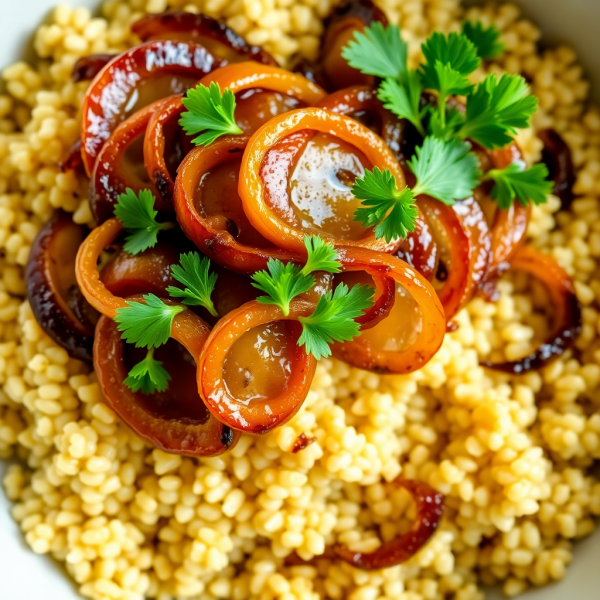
(167, 225)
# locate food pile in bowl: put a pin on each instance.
(299, 302)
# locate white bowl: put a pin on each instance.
(23, 575)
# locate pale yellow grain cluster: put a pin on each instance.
(511, 454)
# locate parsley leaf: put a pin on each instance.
(392, 212)
(455, 50)
(403, 96)
(321, 256)
(148, 376)
(377, 50)
(137, 214)
(199, 283)
(282, 283)
(453, 120)
(523, 184)
(147, 325)
(485, 39)
(446, 170)
(333, 319)
(209, 113)
(496, 109)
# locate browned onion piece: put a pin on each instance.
(556, 155)
(566, 311)
(87, 67)
(72, 160)
(420, 250)
(176, 420)
(56, 301)
(430, 508)
(178, 25)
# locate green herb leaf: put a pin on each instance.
(148, 376)
(147, 325)
(136, 213)
(392, 212)
(446, 170)
(523, 184)
(485, 39)
(496, 109)
(453, 121)
(455, 50)
(333, 319)
(403, 96)
(447, 81)
(321, 256)
(282, 283)
(199, 284)
(209, 113)
(377, 50)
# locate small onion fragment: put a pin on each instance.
(556, 155)
(56, 301)
(429, 508)
(566, 314)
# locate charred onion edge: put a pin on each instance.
(251, 186)
(566, 315)
(259, 416)
(429, 509)
(358, 353)
(556, 155)
(209, 438)
(87, 67)
(218, 245)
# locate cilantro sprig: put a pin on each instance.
(209, 113)
(444, 166)
(148, 376)
(334, 318)
(199, 283)
(136, 213)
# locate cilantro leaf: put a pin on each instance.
(392, 212)
(403, 96)
(137, 214)
(496, 109)
(485, 39)
(333, 319)
(453, 120)
(199, 283)
(209, 113)
(148, 376)
(523, 184)
(282, 283)
(447, 81)
(321, 256)
(446, 170)
(377, 50)
(147, 325)
(455, 50)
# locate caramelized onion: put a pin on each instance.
(386, 348)
(177, 25)
(566, 313)
(430, 509)
(134, 79)
(87, 67)
(273, 224)
(252, 374)
(56, 301)
(211, 213)
(72, 160)
(556, 155)
(175, 421)
(420, 250)
(120, 165)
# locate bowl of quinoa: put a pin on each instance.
(513, 454)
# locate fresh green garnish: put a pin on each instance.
(209, 113)
(496, 109)
(283, 282)
(378, 50)
(402, 96)
(148, 376)
(523, 184)
(485, 39)
(333, 319)
(321, 256)
(136, 213)
(392, 212)
(199, 283)
(147, 325)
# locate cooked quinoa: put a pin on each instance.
(512, 454)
